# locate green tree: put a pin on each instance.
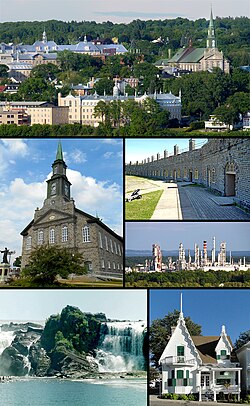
(160, 333)
(47, 72)
(242, 340)
(17, 261)
(104, 85)
(101, 110)
(3, 71)
(46, 263)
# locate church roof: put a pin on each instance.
(187, 55)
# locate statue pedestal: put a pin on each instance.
(4, 272)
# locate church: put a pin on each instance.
(199, 59)
(61, 224)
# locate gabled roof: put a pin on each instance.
(206, 346)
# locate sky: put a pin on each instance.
(94, 169)
(111, 10)
(39, 304)
(138, 149)
(141, 235)
(211, 308)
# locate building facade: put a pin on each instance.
(243, 355)
(203, 365)
(61, 224)
(223, 165)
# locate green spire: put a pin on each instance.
(59, 154)
(211, 23)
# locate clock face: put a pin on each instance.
(53, 188)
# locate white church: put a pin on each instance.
(204, 365)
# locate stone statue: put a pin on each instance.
(5, 256)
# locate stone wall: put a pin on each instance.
(222, 164)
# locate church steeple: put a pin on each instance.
(211, 39)
(58, 185)
(44, 37)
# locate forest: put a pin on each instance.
(232, 34)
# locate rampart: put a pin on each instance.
(222, 164)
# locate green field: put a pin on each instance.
(142, 209)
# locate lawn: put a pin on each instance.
(142, 209)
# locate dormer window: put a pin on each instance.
(223, 355)
(180, 350)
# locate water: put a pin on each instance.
(54, 392)
(122, 347)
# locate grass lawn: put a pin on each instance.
(142, 209)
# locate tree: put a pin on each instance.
(104, 85)
(242, 340)
(3, 71)
(160, 333)
(47, 72)
(17, 262)
(101, 110)
(46, 263)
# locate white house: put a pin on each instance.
(243, 355)
(199, 364)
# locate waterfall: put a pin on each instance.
(6, 338)
(122, 347)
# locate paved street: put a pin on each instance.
(181, 201)
(154, 401)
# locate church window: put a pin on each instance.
(52, 236)
(111, 246)
(28, 243)
(119, 250)
(113, 265)
(85, 234)
(185, 172)
(40, 237)
(102, 264)
(118, 267)
(100, 240)
(109, 266)
(106, 243)
(115, 247)
(196, 174)
(65, 234)
(178, 173)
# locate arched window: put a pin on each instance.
(111, 246)
(185, 172)
(85, 234)
(100, 240)
(28, 243)
(52, 236)
(65, 234)
(40, 237)
(106, 243)
(178, 173)
(196, 174)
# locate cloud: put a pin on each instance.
(78, 156)
(20, 199)
(108, 155)
(10, 149)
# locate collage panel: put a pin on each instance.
(61, 227)
(199, 345)
(73, 347)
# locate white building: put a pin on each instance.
(205, 365)
(243, 355)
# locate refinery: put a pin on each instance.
(201, 259)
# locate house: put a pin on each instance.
(243, 355)
(203, 365)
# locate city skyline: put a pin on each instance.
(27, 10)
(39, 304)
(25, 165)
(138, 149)
(202, 306)
(141, 235)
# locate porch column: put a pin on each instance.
(239, 384)
(199, 382)
(213, 383)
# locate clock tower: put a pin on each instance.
(58, 185)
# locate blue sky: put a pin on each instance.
(28, 304)
(139, 149)
(111, 10)
(141, 235)
(209, 308)
(94, 169)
